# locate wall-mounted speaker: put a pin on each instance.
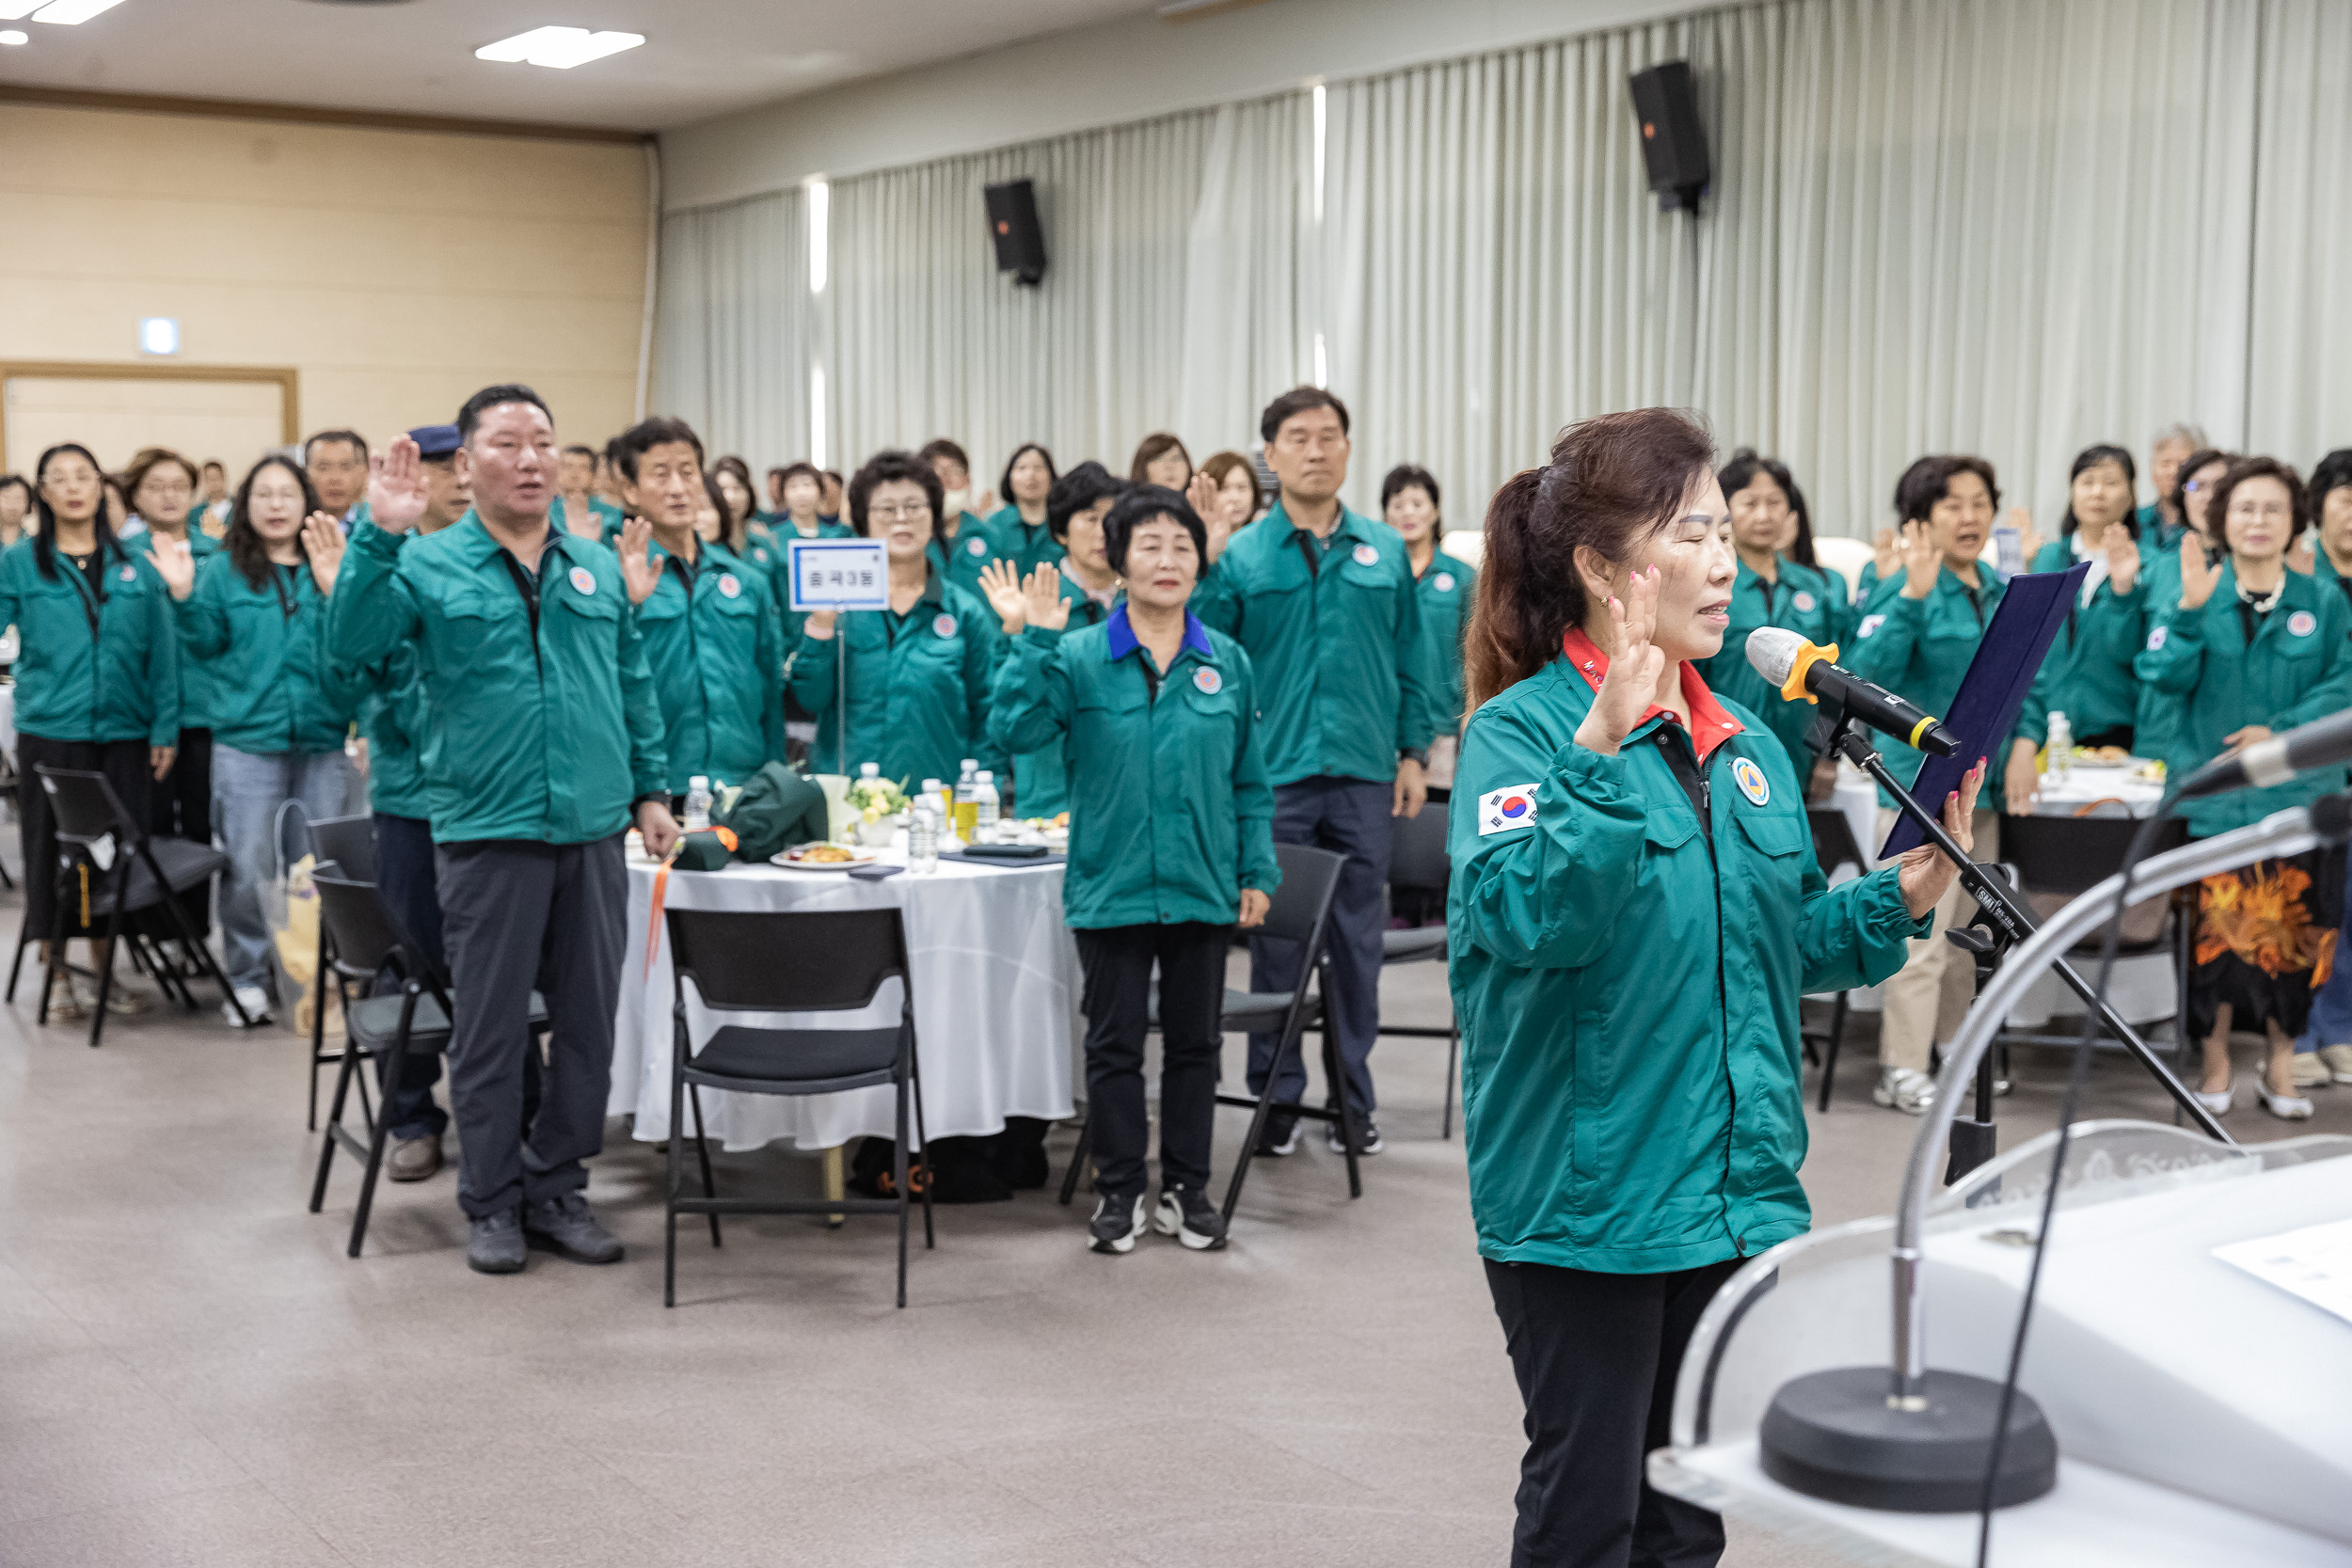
(1674, 143)
(1012, 225)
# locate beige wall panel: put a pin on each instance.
(232, 421)
(397, 270)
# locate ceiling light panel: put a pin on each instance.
(69, 13)
(557, 48)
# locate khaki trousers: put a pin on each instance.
(1925, 1001)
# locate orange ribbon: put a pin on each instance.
(662, 886)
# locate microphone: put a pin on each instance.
(2322, 743)
(1804, 673)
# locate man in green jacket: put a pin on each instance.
(546, 736)
(1323, 602)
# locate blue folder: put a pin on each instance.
(1985, 709)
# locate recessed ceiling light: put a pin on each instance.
(557, 48)
(11, 37)
(69, 13)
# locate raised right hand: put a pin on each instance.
(176, 566)
(1886, 547)
(396, 490)
(1045, 607)
(1630, 688)
(2198, 576)
(1922, 560)
(639, 574)
(1000, 584)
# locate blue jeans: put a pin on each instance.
(2330, 1023)
(247, 792)
(1349, 815)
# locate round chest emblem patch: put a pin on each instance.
(583, 582)
(2302, 622)
(977, 547)
(1804, 601)
(130, 575)
(2155, 638)
(1208, 680)
(759, 554)
(728, 586)
(1367, 555)
(1444, 582)
(1752, 783)
(944, 626)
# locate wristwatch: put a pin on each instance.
(1413, 753)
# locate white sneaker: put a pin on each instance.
(255, 1000)
(2339, 1060)
(2309, 1073)
(1904, 1090)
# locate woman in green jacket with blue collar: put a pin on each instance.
(98, 677)
(1635, 912)
(256, 615)
(1171, 845)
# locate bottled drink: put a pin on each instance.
(967, 799)
(870, 769)
(986, 803)
(697, 804)
(923, 836)
(2058, 756)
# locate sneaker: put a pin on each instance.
(494, 1242)
(255, 1000)
(413, 1158)
(69, 1002)
(1118, 1221)
(126, 1003)
(2339, 1060)
(1367, 1138)
(1279, 1137)
(2309, 1071)
(1904, 1090)
(564, 1227)
(1186, 1213)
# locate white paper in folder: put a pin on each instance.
(2315, 1262)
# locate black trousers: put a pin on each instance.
(404, 873)
(1596, 1355)
(125, 764)
(518, 915)
(182, 808)
(1117, 960)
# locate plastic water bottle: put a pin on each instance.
(2058, 758)
(986, 803)
(870, 769)
(967, 799)
(697, 804)
(923, 836)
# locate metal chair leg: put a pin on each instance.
(1335, 1074)
(1837, 1044)
(107, 966)
(923, 1138)
(376, 1137)
(334, 1120)
(23, 939)
(898, 1171)
(669, 1205)
(1079, 1154)
(702, 1152)
(1257, 1122)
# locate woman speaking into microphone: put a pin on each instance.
(1635, 910)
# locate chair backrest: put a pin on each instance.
(349, 842)
(1310, 879)
(2070, 854)
(789, 960)
(1833, 840)
(1417, 851)
(361, 930)
(86, 807)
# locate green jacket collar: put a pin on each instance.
(476, 544)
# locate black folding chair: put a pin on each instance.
(2058, 858)
(1832, 846)
(112, 867)
(789, 961)
(347, 843)
(1417, 863)
(366, 937)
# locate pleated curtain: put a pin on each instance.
(733, 328)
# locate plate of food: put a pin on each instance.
(823, 855)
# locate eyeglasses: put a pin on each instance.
(895, 514)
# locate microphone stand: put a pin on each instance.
(2000, 924)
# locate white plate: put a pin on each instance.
(860, 857)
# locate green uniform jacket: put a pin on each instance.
(2297, 668)
(1919, 649)
(717, 658)
(918, 685)
(1042, 778)
(196, 675)
(548, 739)
(392, 718)
(1807, 600)
(2156, 536)
(1345, 674)
(959, 560)
(102, 669)
(2087, 674)
(1445, 591)
(1173, 816)
(1027, 546)
(274, 688)
(1632, 1093)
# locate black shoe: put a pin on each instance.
(1186, 1213)
(494, 1242)
(1367, 1138)
(1279, 1137)
(564, 1227)
(1118, 1221)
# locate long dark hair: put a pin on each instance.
(2087, 459)
(44, 541)
(247, 550)
(1611, 481)
(2204, 457)
(1740, 472)
(1004, 485)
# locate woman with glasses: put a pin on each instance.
(163, 491)
(908, 687)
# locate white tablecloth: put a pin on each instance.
(997, 991)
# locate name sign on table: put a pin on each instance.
(838, 574)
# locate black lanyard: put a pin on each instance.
(278, 580)
(89, 586)
(1688, 773)
(1308, 552)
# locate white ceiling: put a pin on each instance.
(701, 57)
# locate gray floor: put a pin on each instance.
(191, 1372)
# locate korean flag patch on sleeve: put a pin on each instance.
(1501, 810)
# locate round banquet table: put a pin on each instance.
(997, 991)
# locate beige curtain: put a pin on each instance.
(733, 328)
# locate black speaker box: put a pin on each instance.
(1012, 224)
(1674, 143)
